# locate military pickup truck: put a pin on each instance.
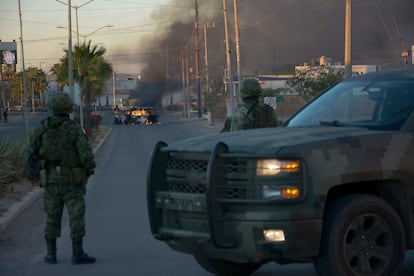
(334, 186)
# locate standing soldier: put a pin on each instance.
(250, 113)
(66, 162)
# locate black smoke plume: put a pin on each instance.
(274, 37)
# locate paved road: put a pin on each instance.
(16, 125)
(118, 232)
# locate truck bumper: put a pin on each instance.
(302, 242)
(227, 229)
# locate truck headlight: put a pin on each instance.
(284, 187)
(274, 192)
(266, 167)
(274, 235)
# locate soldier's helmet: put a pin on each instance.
(250, 89)
(60, 104)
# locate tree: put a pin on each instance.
(61, 73)
(311, 81)
(14, 88)
(90, 71)
(36, 86)
(213, 98)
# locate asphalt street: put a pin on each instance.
(118, 232)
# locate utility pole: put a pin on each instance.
(82, 123)
(113, 90)
(236, 26)
(206, 57)
(348, 31)
(197, 56)
(2, 89)
(167, 78)
(23, 70)
(227, 74)
(70, 58)
(187, 83)
(32, 81)
(76, 12)
(183, 81)
(77, 25)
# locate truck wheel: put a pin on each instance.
(362, 235)
(227, 268)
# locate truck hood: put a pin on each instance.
(273, 140)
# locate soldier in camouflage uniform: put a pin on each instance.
(250, 113)
(66, 162)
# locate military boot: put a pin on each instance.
(79, 256)
(50, 258)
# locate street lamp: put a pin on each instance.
(70, 61)
(80, 92)
(91, 33)
(76, 7)
(70, 51)
(86, 35)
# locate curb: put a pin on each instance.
(102, 140)
(18, 207)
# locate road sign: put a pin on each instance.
(270, 101)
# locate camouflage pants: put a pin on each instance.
(56, 196)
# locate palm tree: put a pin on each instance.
(90, 71)
(60, 71)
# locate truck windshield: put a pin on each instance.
(382, 105)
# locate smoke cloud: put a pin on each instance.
(274, 36)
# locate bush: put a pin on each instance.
(13, 157)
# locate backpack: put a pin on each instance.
(247, 116)
(264, 116)
(57, 145)
(243, 117)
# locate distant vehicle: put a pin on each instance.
(151, 115)
(137, 111)
(124, 118)
(136, 115)
(333, 186)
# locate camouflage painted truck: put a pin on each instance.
(333, 186)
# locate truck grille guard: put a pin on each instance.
(157, 181)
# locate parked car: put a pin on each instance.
(333, 186)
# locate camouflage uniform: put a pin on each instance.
(250, 113)
(67, 161)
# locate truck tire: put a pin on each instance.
(226, 268)
(362, 235)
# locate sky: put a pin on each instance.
(149, 35)
(45, 32)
